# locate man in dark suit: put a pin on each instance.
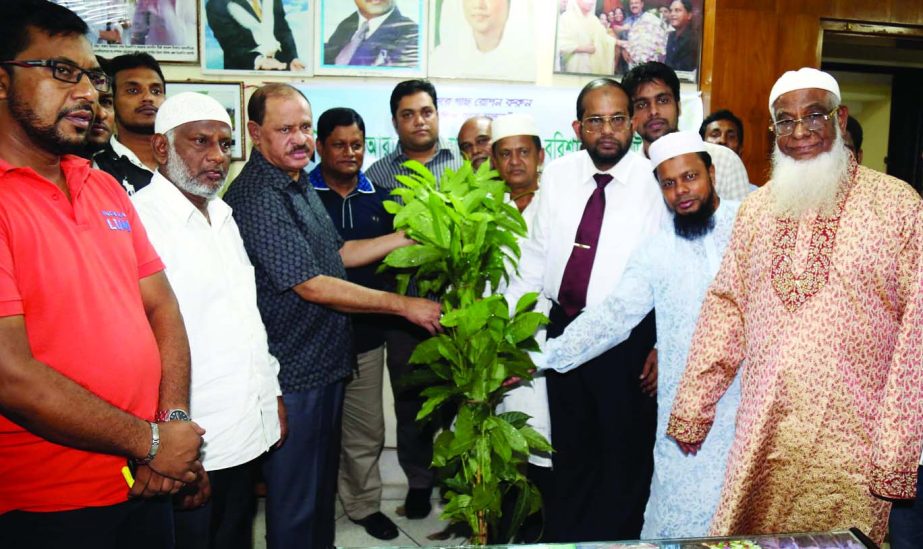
(242, 28)
(375, 35)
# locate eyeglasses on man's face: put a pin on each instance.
(813, 122)
(595, 124)
(67, 72)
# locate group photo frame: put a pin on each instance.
(231, 97)
(609, 37)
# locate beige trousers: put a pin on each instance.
(359, 481)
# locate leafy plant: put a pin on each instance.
(467, 239)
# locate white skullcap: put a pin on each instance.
(509, 125)
(802, 79)
(189, 107)
(673, 145)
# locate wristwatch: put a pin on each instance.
(155, 445)
(174, 414)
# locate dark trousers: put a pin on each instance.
(138, 523)
(414, 439)
(905, 526)
(301, 476)
(226, 521)
(603, 429)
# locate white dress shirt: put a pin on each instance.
(234, 386)
(532, 398)
(634, 211)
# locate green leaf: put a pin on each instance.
(516, 419)
(536, 441)
(435, 397)
(528, 501)
(410, 211)
(421, 171)
(412, 256)
(524, 326)
(514, 438)
(427, 351)
(391, 206)
(526, 302)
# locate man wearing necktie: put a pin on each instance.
(376, 34)
(597, 205)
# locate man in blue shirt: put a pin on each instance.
(300, 266)
(356, 207)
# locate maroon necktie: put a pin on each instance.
(576, 279)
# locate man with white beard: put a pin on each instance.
(818, 300)
(234, 392)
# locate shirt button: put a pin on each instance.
(55, 196)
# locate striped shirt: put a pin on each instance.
(731, 179)
(383, 171)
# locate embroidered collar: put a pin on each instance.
(794, 290)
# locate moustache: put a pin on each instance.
(82, 107)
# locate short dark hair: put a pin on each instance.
(600, 83)
(723, 114)
(535, 139)
(16, 16)
(855, 130)
(686, 4)
(133, 61)
(649, 72)
(256, 107)
(410, 87)
(336, 117)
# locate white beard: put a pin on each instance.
(808, 186)
(180, 175)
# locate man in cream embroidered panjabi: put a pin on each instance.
(819, 293)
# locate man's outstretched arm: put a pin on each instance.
(346, 297)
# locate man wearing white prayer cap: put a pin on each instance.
(819, 296)
(670, 272)
(234, 392)
(517, 154)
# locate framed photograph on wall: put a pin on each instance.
(166, 29)
(609, 37)
(371, 37)
(492, 40)
(231, 97)
(257, 36)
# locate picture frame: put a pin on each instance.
(588, 43)
(483, 40)
(166, 30)
(237, 40)
(395, 47)
(231, 97)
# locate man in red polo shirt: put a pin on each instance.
(92, 344)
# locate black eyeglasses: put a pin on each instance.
(68, 72)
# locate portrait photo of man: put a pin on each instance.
(371, 33)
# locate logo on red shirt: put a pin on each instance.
(116, 221)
